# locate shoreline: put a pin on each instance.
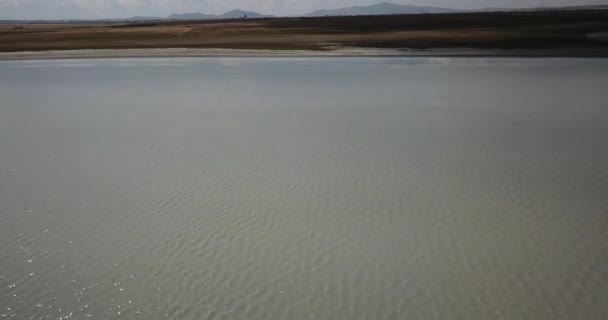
(581, 33)
(255, 53)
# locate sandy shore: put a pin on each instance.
(188, 52)
(341, 52)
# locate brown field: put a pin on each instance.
(516, 30)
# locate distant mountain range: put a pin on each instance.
(379, 9)
(376, 9)
(241, 14)
(144, 18)
(584, 7)
(384, 8)
(190, 16)
(234, 14)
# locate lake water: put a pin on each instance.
(293, 188)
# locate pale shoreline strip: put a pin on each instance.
(340, 52)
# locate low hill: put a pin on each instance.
(144, 18)
(234, 14)
(379, 9)
(566, 8)
(190, 16)
(240, 14)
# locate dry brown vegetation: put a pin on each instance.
(521, 30)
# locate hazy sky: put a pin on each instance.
(63, 9)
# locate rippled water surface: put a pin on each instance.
(328, 188)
